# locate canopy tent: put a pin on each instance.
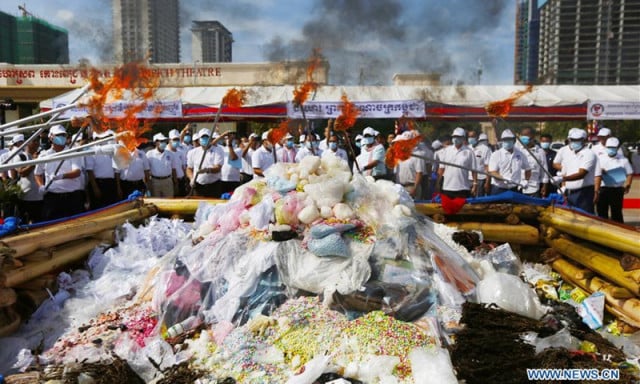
(560, 102)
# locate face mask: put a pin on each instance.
(163, 146)
(204, 141)
(60, 140)
(575, 145)
(268, 145)
(508, 145)
(358, 144)
(473, 141)
(525, 140)
(308, 145)
(367, 140)
(333, 146)
(289, 144)
(545, 145)
(612, 152)
(174, 144)
(187, 139)
(315, 144)
(456, 141)
(234, 143)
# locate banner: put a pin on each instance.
(152, 110)
(368, 109)
(613, 110)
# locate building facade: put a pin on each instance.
(146, 30)
(526, 44)
(30, 40)
(589, 42)
(211, 42)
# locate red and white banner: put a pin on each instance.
(613, 110)
(368, 109)
(152, 110)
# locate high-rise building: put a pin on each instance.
(210, 42)
(30, 40)
(589, 42)
(527, 35)
(146, 30)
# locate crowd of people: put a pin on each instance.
(200, 163)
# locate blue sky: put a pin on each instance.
(364, 41)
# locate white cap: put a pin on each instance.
(483, 136)
(265, 135)
(317, 137)
(102, 135)
(369, 131)
(174, 134)
(459, 132)
(358, 137)
(57, 130)
(406, 135)
(436, 144)
(604, 131)
(251, 136)
(204, 132)
(302, 138)
(612, 142)
(159, 137)
(289, 136)
(17, 139)
(507, 134)
(577, 134)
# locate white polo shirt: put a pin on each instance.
(101, 165)
(368, 155)
(247, 168)
(539, 175)
(49, 170)
(483, 154)
(214, 157)
(135, 170)
(304, 152)
(231, 168)
(608, 163)
(405, 171)
(160, 163)
(286, 155)
(262, 159)
(339, 153)
(585, 159)
(180, 158)
(510, 165)
(457, 179)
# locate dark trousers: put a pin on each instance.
(611, 199)
(453, 194)
(228, 186)
(582, 198)
(58, 205)
(245, 178)
(129, 186)
(208, 190)
(495, 190)
(108, 193)
(30, 211)
(182, 187)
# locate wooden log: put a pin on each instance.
(522, 211)
(33, 298)
(47, 281)
(504, 233)
(7, 297)
(183, 207)
(605, 265)
(65, 255)
(618, 237)
(49, 236)
(629, 306)
(9, 321)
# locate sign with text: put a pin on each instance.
(368, 109)
(613, 110)
(152, 110)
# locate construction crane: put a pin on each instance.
(25, 13)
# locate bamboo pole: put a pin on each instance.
(64, 232)
(603, 264)
(630, 307)
(523, 211)
(614, 236)
(168, 207)
(46, 281)
(504, 233)
(61, 257)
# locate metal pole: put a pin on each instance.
(31, 127)
(47, 159)
(430, 160)
(56, 111)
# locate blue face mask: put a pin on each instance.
(525, 140)
(457, 141)
(358, 144)
(163, 146)
(204, 141)
(575, 145)
(289, 144)
(333, 146)
(612, 151)
(473, 141)
(508, 145)
(315, 144)
(187, 139)
(175, 143)
(545, 145)
(60, 140)
(367, 140)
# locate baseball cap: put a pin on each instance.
(507, 134)
(17, 139)
(174, 134)
(437, 144)
(577, 134)
(57, 130)
(102, 135)
(604, 131)
(459, 132)
(204, 132)
(369, 131)
(612, 142)
(483, 136)
(159, 137)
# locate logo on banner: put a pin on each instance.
(597, 110)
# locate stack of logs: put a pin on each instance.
(31, 260)
(588, 252)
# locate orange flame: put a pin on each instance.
(401, 150)
(276, 134)
(140, 83)
(502, 108)
(348, 115)
(235, 98)
(301, 94)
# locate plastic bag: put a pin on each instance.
(431, 366)
(312, 370)
(504, 260)
(511, 294)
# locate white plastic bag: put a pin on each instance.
(511, 294)
(431, 366)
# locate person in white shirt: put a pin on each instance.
(30, 204)
(600, 148)
(186, 136)
(230, 171)
(103, 189)
(333, 150)
(246, 174)
(287, 153)
(409, 173)
(310, 148)
(537, 186)
(203, 167)
(180, 152)
(617, 176)
(370, 161)
(162, 167)
(508, 166)
(59, 181)
(579, 171)
(323, 144)
(455, 180)
(262, 158)
(136, 176)
(480, 147)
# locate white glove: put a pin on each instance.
(57, 176)
(192, 183)
(557, 180)
(562, 190)
(524, 184)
